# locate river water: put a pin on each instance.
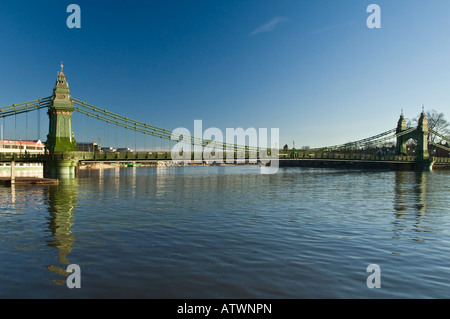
(228, 232)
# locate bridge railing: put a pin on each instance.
(113, 156)
(442, 160)
(304, 154)
(136, 156)
(120, 156)
(9, 157)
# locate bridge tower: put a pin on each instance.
(60, 139)
(420, 135)
(401, 142)
(422, 138)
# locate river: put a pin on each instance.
(228, 232)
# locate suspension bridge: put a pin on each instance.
(63, 155)
(357, 153)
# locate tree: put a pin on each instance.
(436, 122)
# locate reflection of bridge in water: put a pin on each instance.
(61, 202)
(66, 202)
(61, 206)
(62, 157)
(410, 202)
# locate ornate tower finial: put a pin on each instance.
(402, 112)
(423, 108)
(62, 67)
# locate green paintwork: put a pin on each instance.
(420, 135)
(60, 137)
(62, 155)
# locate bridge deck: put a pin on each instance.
(285, 157)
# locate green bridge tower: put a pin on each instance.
(420, 135)
(60, 139)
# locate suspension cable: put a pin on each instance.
(147, 129)
(439, 145)
(24, 107)
(440, 135)
(144, 128)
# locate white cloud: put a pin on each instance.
(269, 26)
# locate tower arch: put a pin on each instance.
(420, 135)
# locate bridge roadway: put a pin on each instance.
(87, 156)
(286, 159)
(355, 160)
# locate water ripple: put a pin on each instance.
(214, 232)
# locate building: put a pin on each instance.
(25, 147)
(88, 147)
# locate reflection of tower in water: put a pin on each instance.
(399, 199)
(61, 203)
(409, 201)
(420, 191)
(410, 190)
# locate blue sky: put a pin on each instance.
(313, 69)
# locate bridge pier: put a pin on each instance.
(427, 164)
(60, 168)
